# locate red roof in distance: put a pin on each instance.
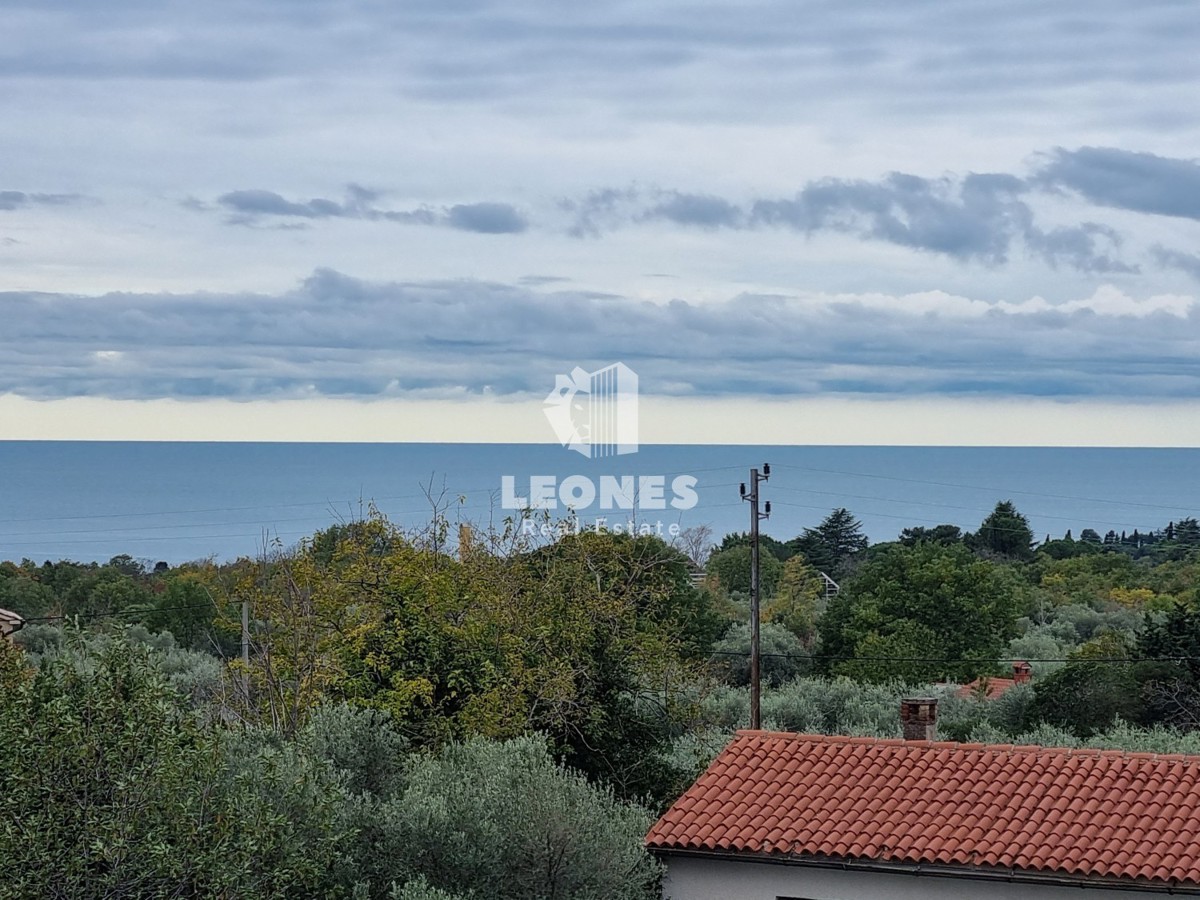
(998, 687)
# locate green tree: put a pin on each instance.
(574, 639)
(1187, 532)
(420, 889)
(1099, 685)
(731, 568)
(766, 543)
(831, 545)
(1005, 532)
(939, 600)
(798, 600)
(185, 608)
(901, 654)
(25, 596)
(105, 591)
(1169, 645)
(783, 657)
(631, 626)
(940, 534)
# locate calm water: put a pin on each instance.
(181, 501)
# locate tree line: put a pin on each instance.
(407, 694)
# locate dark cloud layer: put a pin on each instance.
(1141, 182)
(337, 335)
(250, 206)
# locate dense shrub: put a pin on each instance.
(505, 821)
(782, 655)
(111, 789)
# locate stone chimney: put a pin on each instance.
(1022, 672)
(918, 716)
(466, 541)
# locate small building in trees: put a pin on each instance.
(10, 622)
(993, 688)
(809, 816)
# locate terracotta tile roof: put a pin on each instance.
(1084, 813)
(996, 687)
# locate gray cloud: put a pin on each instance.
(600, 210)
(268, 203)
(250, 206)
(486, 218)
(978, 217)
(702, 210)
(341, 336)
(1088, 248)
(1141, 182)
(975, 218)
(541, 280)
(1177, 259)
(13, 200)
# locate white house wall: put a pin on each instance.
(690, 878)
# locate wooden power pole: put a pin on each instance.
(755, 590)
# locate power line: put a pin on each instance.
(994, 490)
(932, 660)
(949, 661)
(117, 532)
(171, 537)
(112, 614)
(972, 509)
(910, 519)
(489, 489)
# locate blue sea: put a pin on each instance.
(182, 501)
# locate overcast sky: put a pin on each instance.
(912, 205)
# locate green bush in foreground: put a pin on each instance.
(112, 791)
(504, 820)
(112, 788)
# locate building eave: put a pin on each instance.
(934, 870)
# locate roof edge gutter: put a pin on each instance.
(1012, 875)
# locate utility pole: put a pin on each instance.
(755, 601)
(246, 648)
